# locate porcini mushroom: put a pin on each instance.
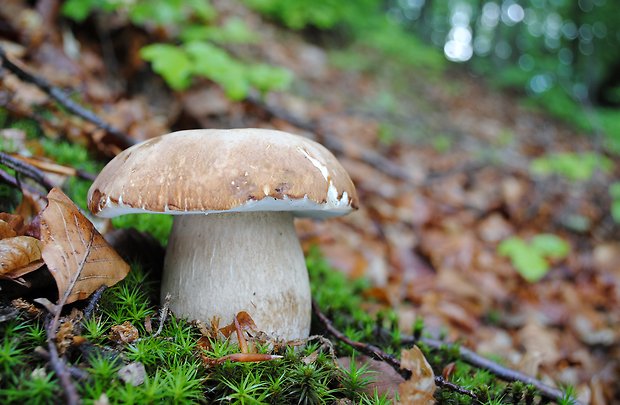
(234, 194)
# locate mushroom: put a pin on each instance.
(234, 194)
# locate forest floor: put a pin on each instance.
(443, 167)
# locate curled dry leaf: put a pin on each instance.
(245, 322)
(78, 257)
(19, 255)
(418, 389)
(125, 333)
(6, 231)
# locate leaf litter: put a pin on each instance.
(429, 242)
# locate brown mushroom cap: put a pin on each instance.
(213, 170)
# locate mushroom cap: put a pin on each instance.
(214, 170)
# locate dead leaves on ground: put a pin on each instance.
(420, 387)
(244, 329)
(76, 255)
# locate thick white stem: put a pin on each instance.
(219, 264)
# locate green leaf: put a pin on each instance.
(171, 62)
(266, 78)
(233, 31)
(614, 190)
(549, 245)
(573, 166)
(531, 265)
(615, 210)
(513, 246)
(78, 10)
(217, 65)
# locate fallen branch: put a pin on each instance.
(94, 300)
(25, 169)
(62, 98)
(14, 182)
(378, 354)
(504, 373)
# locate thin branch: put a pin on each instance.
(443, 383)
(26, 169)
(163, 314)
(365, 348)
(58, 363)
(92, 303)
(13, 182)
(504, 373)
(62, 98)
(379, 354)
(74, 371)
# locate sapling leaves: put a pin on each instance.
(531, 259)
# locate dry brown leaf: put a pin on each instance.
(19, 255)
(384, 379)
(420, 387)
(246, 323)
(78, 257)
(125, 333)
(6, 231)
(15, 222)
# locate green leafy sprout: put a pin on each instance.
(572, 166)
(531, 259)
(198, 51)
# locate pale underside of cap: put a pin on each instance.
(210, 170)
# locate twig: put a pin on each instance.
(58, 363)
(443, 383)
(365, 348)
(163, 313)
(12, 181)
(25, 169)
(64, 99)
(379, 354)
(74, 371)
(504, 373)
(92, 303)
(59, 366)
(331, 142)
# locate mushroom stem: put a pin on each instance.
(219, 264)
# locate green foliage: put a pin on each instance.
(171, 62)
(531, 259)
(197, 54)
(573, 166)
(323, 14)
(156, 225)
(614, 193)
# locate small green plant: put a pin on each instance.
(572, 166)
(614, 193)
(198, 52)
(531, 259)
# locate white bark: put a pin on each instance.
(219, 264)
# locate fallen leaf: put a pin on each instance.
(78, 257)
(420, 387)
(246, 323)
(133, 373)
(19, 255)
(6, 231)
(125, 333)
(384, 379)
(15, 222)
